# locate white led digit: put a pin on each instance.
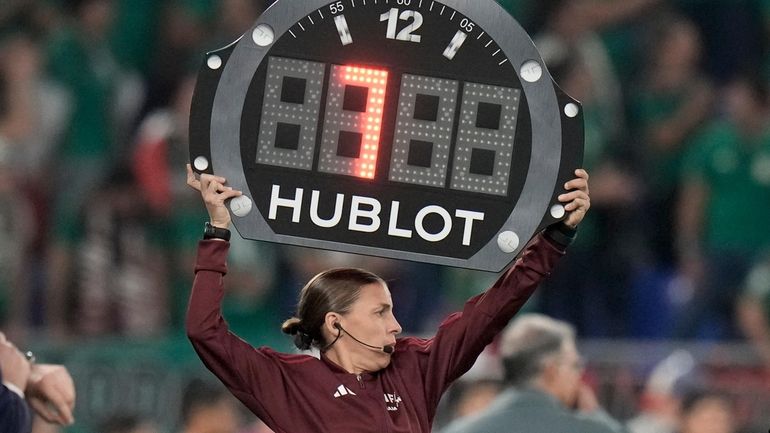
(455, 44)
(351, 131)
(290, 109)
(485, 139)
(423, 134)
(342, 28)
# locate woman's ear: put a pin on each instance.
(331, 321)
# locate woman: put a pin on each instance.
(367, 381)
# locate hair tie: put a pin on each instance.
(303, 340)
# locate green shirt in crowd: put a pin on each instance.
(736, 171)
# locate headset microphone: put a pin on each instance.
(386, 349)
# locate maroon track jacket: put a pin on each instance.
(303, 394)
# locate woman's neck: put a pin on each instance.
(345, 359)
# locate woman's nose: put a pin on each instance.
(395, 327)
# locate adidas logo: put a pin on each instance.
(343, 390)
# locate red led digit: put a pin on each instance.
(354, 109)
(375, 80)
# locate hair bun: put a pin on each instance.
(291, 326)
(302, 339)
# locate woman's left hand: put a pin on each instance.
(214, 194)
(577, 200)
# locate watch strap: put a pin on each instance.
(212, 232)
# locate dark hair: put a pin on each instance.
(332, 290)
(199, 393)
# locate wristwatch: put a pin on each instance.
(211, 232)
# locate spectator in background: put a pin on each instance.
(159, 154)
(31, 111)
(80, 59)
(660, 402)
(14, 373)
(48, 389)
(572, 26)
(754, 309)
(120, 273)
(178, 50)
(208, 408)
(543, 371)
(707, 412)
(16, 231)
(722, 222)
(34, 108)
(584, 288)
(159, 150)
(667, 108)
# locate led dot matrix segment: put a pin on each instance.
(354, 110)
(290, 113)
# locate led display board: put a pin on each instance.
(412, 129)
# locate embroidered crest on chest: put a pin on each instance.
(392, 401)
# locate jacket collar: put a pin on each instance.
(336, 368)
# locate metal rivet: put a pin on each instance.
(558, 211)
(263, 35)
(241, 206)
(531, 71)
(214, 62)
(508, 241)
(571, 109)
(201, 163)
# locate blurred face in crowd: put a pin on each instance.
(744, 106)
(564, 372)
(682, 46)
(96, 17)
(709, 415)
(370, 320)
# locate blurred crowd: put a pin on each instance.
(99, 229)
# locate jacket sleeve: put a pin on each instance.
(14, 412)
(463, 336)
(249, 373)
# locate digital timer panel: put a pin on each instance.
(418, 129)
(351, 125)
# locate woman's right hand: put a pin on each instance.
(214, 193)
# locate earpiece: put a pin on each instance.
(386, 349)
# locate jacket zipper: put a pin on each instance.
(360, 382)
